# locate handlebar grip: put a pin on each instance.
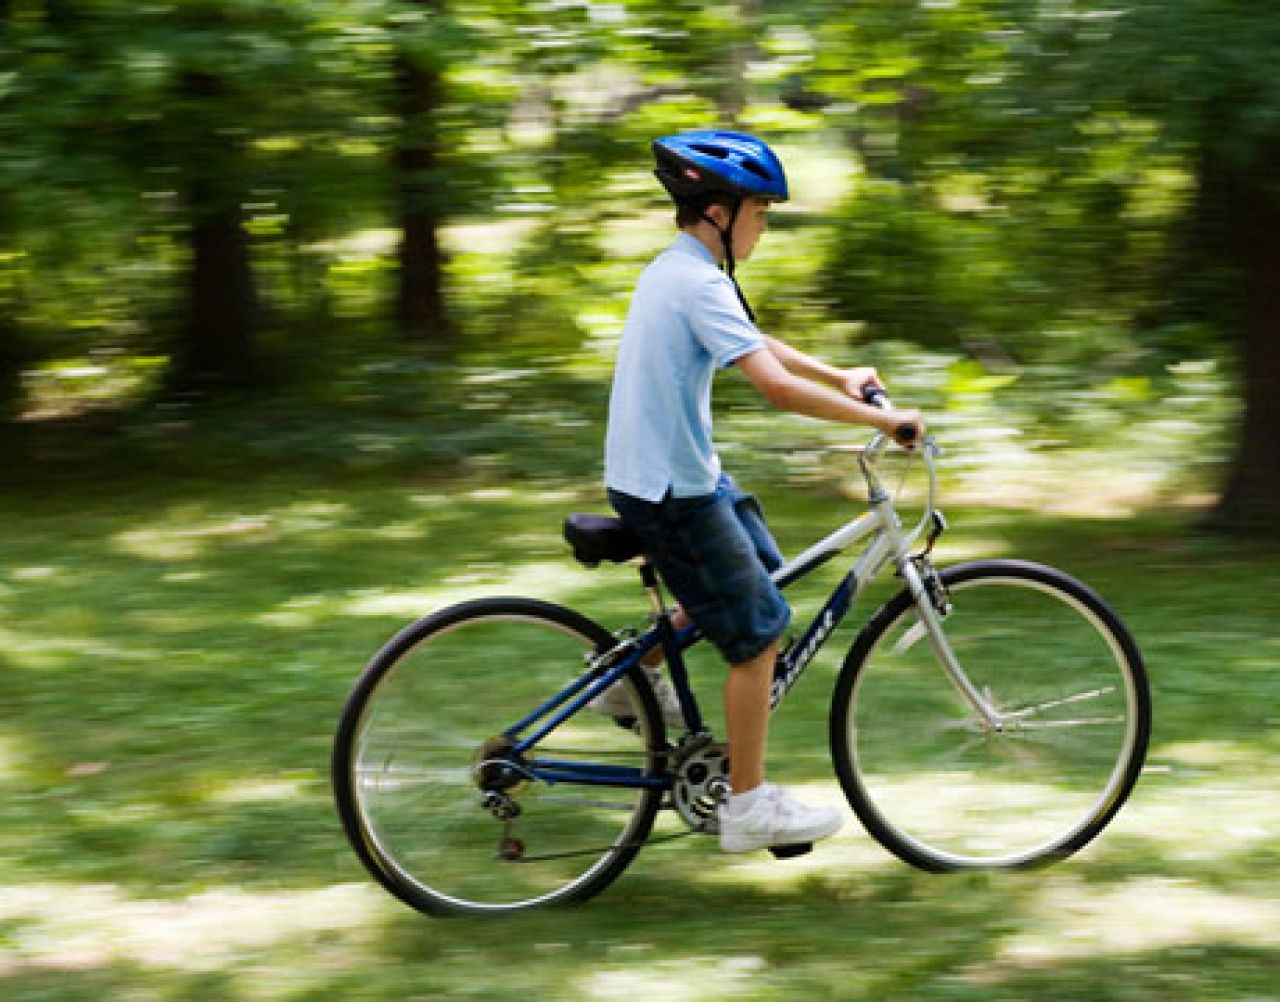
(875, 396)
(904, 434)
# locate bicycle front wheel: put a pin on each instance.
(422, 742)
(928, 776)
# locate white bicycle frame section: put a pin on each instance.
(890, 543)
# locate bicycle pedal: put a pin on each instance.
(791, 851)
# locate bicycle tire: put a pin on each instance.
(1052, 655)
(404, 763)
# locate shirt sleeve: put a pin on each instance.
(720, 323)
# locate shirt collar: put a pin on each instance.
(687, 243)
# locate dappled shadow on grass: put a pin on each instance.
(174, 660)
(682, 924)
(882, 932)
(84, 979)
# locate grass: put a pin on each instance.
(175, 649)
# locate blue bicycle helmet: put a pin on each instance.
(715, 161)
(694, 166)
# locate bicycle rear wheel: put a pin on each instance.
(937, 786)
(429, 712)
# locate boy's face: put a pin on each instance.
(749, 227)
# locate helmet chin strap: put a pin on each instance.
(726, 238)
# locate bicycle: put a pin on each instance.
(992, 714)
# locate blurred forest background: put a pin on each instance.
(307, 318)
(314, 227)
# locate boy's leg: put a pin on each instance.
(746, 711)
(757, 814)
(615, 702)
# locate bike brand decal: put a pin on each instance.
(798, 656)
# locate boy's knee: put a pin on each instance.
(761, 662)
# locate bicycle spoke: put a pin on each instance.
(944, 788)
(1053, 703)
(429, 781)
(1050, 725)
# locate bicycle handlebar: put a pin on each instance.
(904, 434)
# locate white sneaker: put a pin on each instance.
(774, 819)
(614, 701)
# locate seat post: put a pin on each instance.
(649, 577)
(675, 662)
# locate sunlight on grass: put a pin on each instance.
(847, 854)
(34, 573)
(1071, 919)
(56, 649)
(183, 541)
(185, 535)
(83, 926)
(9, 759)
(400, 531)
(962, 545)
(250, 791)
(966, 812)
(546, 580)
(1210, 753)
(1211, 819)
(299, 612)
(687, 980)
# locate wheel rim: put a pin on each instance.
(943, 791)
(413, 781)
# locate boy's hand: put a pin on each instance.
(855, 381)
(906, 427)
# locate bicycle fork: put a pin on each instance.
(930, 598)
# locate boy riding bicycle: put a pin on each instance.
(708, 539)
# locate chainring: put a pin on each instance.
(701, 786)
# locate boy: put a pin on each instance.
(707, 539)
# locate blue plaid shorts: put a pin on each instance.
(714, 552)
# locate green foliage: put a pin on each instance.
(888, 266)
(990, 180)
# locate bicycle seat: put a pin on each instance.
(598, 537)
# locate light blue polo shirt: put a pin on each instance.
(685, 322)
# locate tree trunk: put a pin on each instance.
(223, 300)
(421, 315)
(745, 47)
(1251, 216)
(10, 366)
(216, 350)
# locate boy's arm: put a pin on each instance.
(848, 381)
(793, 392)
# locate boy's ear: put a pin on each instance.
(719, 213)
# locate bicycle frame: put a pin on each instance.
(886, 542)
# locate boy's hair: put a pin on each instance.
(689, 213)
